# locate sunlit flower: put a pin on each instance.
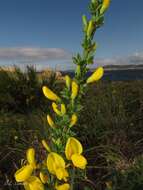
(23, 173)
(68, 81)
(64, 186)
(50, 121)
(46, 146)
(73, 120)
(73, 151)
(74, 90)
(33, 183)
(58, 111)
(98, 73)
(105, 6)
(50, 94)
(56, 166)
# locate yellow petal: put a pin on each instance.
(56, 110)
(50, 121)
(65, 186)
(24, 173)
(54, 161)
(61, 173)
(63, 109)
(105, 6)
(96, 75)
(73, 120)
(43, 177)
(35, 183)
(79, 161)
(26, 185)
(75, 89)
(45, 145)
(50, 94)
(68, 81)
(30, 154)
(73, 146)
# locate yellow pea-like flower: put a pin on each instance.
(68, 81)
(96, 75)
(73, 120)
(23, 173)
(30, 155)
(90, 28)
(43, 177)
(79, 161)
(45, 145)
(50, 121)
(50, 94)
(56, 166)
(105, 6)
(74, 90)
(64, 186)
(33, 183)
(73, 146)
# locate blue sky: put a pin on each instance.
(47, 32)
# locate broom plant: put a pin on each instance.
(63, 161)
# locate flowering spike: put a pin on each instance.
(50, 94)
(50, 121)
(105, 6)
(96, 75)
(75, 89)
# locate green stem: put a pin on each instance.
(72, 179)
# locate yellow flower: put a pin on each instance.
(79, 161)
(75, 89)
(33, 183)
(43, 177)
(73, 151)
(56, 166)
(105, 6)
(90, 28)
(73, 146)
(50, 94)
(50, 121)
(73, 120)
(45, 145)
(68, 81)
(96, 75)
(65, 186)
(60, 112)
(30, 154)
(23, 173)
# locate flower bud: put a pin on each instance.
(105, 6)
(96, 75)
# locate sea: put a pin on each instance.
(117, 75)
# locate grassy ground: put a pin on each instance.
(110, 127)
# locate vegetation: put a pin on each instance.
(109, 127)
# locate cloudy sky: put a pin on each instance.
(47, 33)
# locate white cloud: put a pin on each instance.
(33, 54)
(136, 58)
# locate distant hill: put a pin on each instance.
(123, 67)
